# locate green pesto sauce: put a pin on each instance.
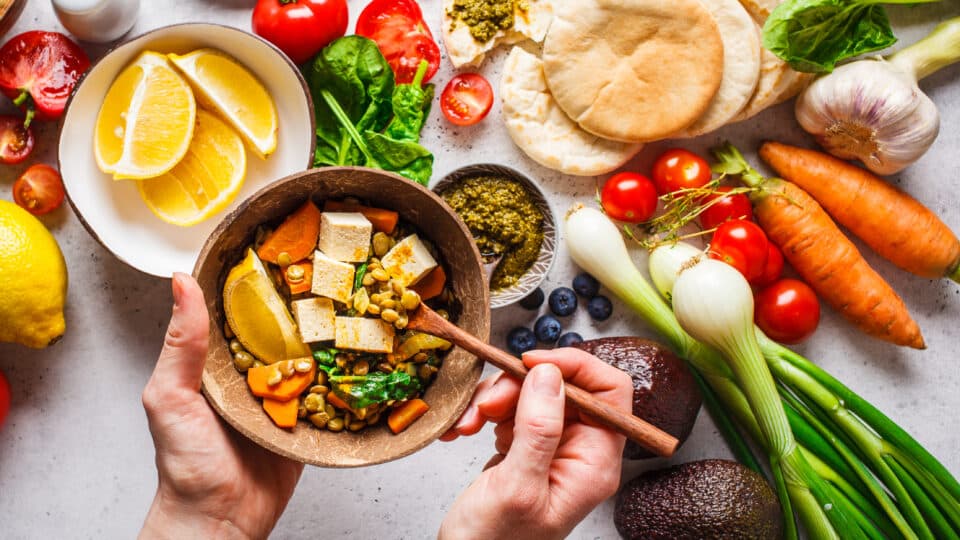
(503, 219)
(486, 17)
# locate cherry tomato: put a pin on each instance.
(38, 71)
(16, 141)
(629, 197)
(402, 36)
(466, 99)
(4, 398)
(774, 266)
(39, 190)
(678, 169)
(743, 245)
(788, 311)
(302, 27)
(736, 206)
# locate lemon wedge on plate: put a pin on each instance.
(258, 315)
(205, 181)
(146, 121)
(236, 95)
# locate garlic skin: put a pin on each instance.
(872, 111)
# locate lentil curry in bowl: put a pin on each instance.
(308, 285)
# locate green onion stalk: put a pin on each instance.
(838, 463)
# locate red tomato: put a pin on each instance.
(16, 141)
(678, 169)
(743, 245)
(39, 190)
(302, 27)
(629, 197)
(4, 398)
(466, 99)
(788, 311)
(402, 36)
(774, 266)
(39, 69)
(736, 206)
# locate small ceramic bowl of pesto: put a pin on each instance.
(511, 222)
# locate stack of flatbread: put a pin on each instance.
(614, 74)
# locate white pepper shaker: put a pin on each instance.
(97, 21)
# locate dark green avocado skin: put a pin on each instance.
(664, 391)
(710, 499)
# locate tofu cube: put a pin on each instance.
(332, 278)
(408, 261)
(364, 334)
(315, 319)
(345, 236)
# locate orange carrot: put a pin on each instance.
(283, 413)
(296, 236)
(288, 388)
(381, 219)
(897, 226)
(401, 417)
(825, 258)
(304, 284)
(337, 402)
(432, 284)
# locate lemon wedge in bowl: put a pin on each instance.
(205, 181)
(146, 122)
(223, 85)
(258, 315)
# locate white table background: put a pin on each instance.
(76, 459)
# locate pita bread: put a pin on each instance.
(633, 70)
(741, 66)
(463, 50)
(778, 83)
(544, 132)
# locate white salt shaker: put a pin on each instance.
(97, 21)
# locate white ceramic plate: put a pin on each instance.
(112, 210)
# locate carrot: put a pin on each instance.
(401, 417)
(304, 284)
(296, 236)
(894, 224)
(382, 220)
(283, 413)
(337, 401)
(825, 258)
(432, 284)
(288, 388)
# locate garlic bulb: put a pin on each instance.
(873, 110)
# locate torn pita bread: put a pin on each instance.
(464, 50)
(778, 83)
(544, 132)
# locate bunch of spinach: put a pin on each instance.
(363, 118)
(813, 35)
(377, 387)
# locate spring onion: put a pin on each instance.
(854, 473)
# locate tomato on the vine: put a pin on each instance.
(787, 311)
(629, 196)
(466, 99)
(4, 398)
(300, 28)
(774, 266)
(402, 36)
(678, 169)
(39, 190)
(726, 207)
(743, 245)
(16, 141)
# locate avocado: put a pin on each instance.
(710, 499)
(664, 391)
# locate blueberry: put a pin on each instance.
(547, 329)
(600, 308)
(521, 340)
(563, 301)
(569, 339)
(533, 300)
(586, 285)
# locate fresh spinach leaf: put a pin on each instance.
(411, 106)
(325, 357)
(813, 35)
(358, 278)
(365, 390)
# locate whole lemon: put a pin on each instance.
(33, 280)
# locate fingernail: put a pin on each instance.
(547, 380)
(466, 417)
(177, 286)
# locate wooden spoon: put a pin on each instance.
(643, 433)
